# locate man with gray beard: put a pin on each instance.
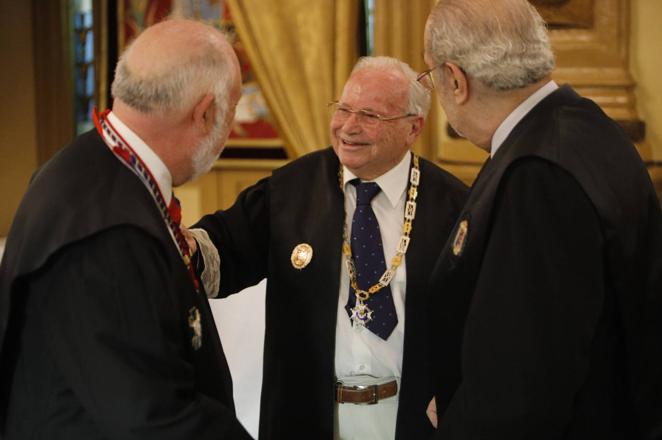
(105, 330)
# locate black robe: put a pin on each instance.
(303, 203)
(560, 281)
(95, 302)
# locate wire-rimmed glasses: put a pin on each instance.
(425, 78)
(342, 112)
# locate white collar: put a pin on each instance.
(513, 118)
(393, 183)
(151, 160)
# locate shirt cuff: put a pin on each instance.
(211, 275)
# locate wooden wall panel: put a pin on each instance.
(219, 188)
(591, 41)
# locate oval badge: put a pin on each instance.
(301, 255)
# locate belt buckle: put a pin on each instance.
(374, 398)
(339, 387)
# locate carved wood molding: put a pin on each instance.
(592, 55)
(595, 59)
(564, 14)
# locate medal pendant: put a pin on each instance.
(361, 314)
(194, 323)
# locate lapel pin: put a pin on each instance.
(460, 237)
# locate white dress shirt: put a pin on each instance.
(358, 350)
(153, 162)
(516, 115)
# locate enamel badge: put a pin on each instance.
(301, 255)
(196, 327)
(460, 237)
(361, 314)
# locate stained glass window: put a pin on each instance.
(83, 59)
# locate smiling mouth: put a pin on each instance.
(353, 143)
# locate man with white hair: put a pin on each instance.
(554, 268)
(105, 330)
(354, 335)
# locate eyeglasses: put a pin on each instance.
(425, 78)
(368, 117)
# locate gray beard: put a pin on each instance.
(205, 156)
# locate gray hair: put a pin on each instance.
(506, 47)
(419, 98)
(177, 84)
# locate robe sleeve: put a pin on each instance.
(241, 235)
(114, 329)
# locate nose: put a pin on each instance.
(352, 124)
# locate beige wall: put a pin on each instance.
(646, 67)
(18, 151)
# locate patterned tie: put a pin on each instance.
(175, 210)
(368, 255)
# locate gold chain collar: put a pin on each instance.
(403, 243)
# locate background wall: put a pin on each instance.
(646, 67)
(18, 150)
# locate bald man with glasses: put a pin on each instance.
(346, 238)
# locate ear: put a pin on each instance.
(415, 130)
(204, 112)
(457, 82)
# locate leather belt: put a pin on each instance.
(365, 394)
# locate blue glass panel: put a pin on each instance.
(83, 50)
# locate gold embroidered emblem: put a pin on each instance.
(460, 237)
(301, 255)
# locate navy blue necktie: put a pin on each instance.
(368, 255)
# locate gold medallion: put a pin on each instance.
(301, 255)
(460, 237)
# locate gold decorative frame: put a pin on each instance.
(591, 44)
(152, 11)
